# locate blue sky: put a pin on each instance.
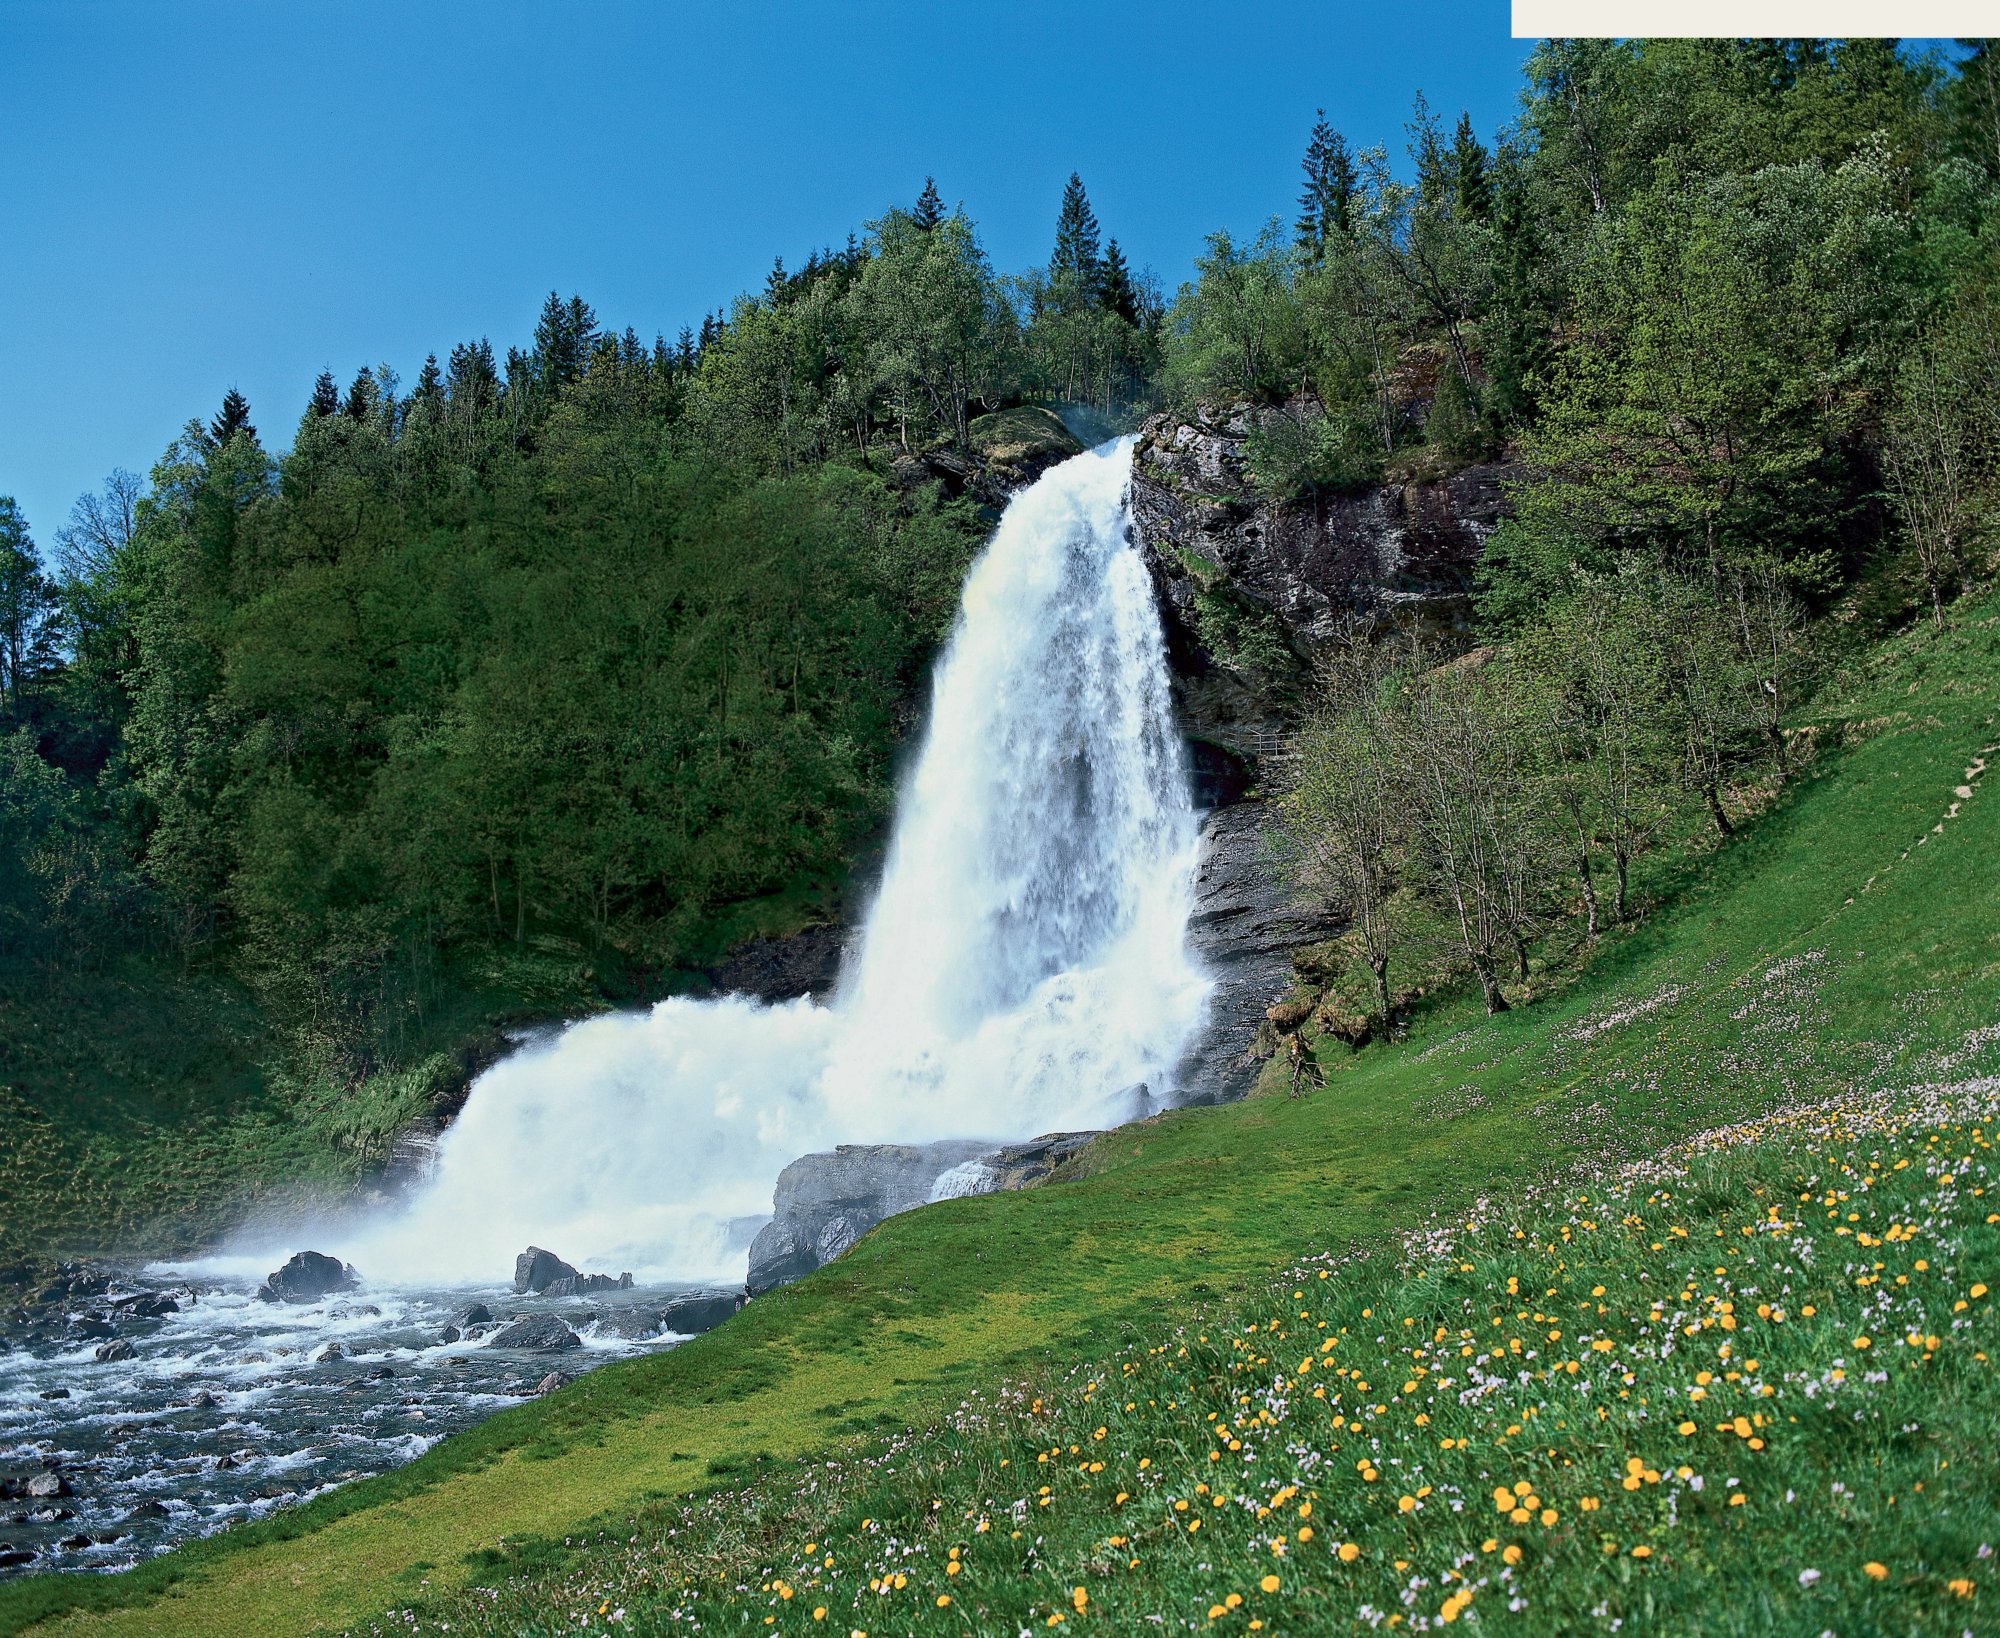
(202, 195)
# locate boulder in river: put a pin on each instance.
(551, 1382)
(700, 1311)
(538, 1334)
(307, 1277)
(116, 1349)
(577, 1285)
(477, 1314)
(536, 1270)
(147, 1305)
(45, 1486)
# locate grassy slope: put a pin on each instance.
(1210, 1204)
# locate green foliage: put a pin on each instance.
(1235, 331)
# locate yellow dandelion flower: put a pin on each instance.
(1349, 1552)
(1875, 1571)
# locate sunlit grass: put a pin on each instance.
(1838, 951)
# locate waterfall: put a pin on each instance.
(1022, 970)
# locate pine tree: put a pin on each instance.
(234, 419)
(429, 392)
(1076, 259)
(325, 397)
(1120, 295)
(1434, 171)
(685, 354)
(361, 396)
(472, 380)
(1472, 184)
(776, 285)
(1326, 206)
(564, 336)
(930, 208)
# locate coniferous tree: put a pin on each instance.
(233, 419)
(1435, 176)
(685, 354)
(1326, 205)
(430, 384)
(361, 396)
(1076, 259)
(1120, 296)
(472, 380)
(564, 336)
(325, 399)
(930, 208)
(1472, 185)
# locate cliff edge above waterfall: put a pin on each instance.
(1254, 590)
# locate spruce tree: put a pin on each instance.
(1326, 206)
(472, 379)
(430, 385)
(1076, 259)
(1120, 295)
(361, 396)
(1472, 184)
(234, 419)
(325, 396)
(1434, 171)
(930, 208)
(685, 354)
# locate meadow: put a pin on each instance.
(1818, 996)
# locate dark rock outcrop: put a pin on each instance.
(577, 1285)
(1246, 922)
(825, 1202)
(700, 1311)
(116, 1349)
(1303, 575)
(537, 1334)
(782, 969)
(1023, 1165)
(535, 1270)
(307, 1277)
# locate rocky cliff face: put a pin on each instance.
(1255, 592)
(1247, 921)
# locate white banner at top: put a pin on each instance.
(1756, 19)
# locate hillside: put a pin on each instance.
(1842, 948)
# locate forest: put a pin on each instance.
(531, 685)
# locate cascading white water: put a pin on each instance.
(1023, 969)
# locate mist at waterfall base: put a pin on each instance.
(1022, 970)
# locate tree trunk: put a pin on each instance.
(1520, 955)
(1621, 862)
(1589, 885)
(1378, 965)
(1722, 824)
(1489, 986)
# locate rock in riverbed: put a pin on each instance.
(307, 1277)
(538, 1334)
(546, 1275)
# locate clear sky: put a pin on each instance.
(205, 194)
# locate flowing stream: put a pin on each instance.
(1024, 969)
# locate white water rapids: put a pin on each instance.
(1022, 970)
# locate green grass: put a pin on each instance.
(1838, 947)
(1746, 1388)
